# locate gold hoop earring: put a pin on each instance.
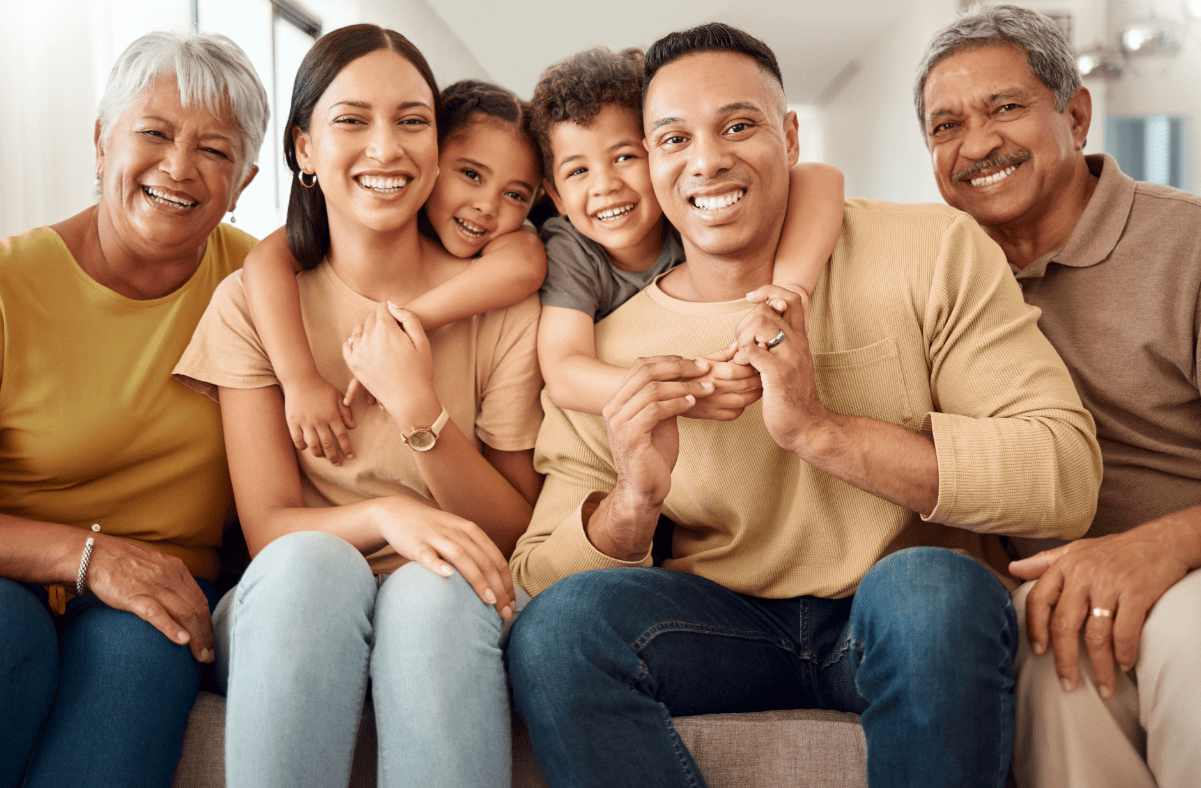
(300, 177)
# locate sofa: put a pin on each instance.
(797, 749)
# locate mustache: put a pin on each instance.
(990, 163)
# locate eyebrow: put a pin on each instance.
(366, 105)
(734, 106)
(615, 146)
(207, 136)
(476, 164)
(993, 99)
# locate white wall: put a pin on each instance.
(56, 56)
(871, 129)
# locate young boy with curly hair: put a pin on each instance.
(612, 239)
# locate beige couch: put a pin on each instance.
(797, 749)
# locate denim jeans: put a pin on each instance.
(97, 697)
(601, 661)
(304, 630)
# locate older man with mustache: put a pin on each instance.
(1115, 266)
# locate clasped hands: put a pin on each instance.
(641, 418)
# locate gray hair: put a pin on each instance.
(209, 70)
(1047, 51)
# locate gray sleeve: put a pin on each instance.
(574, 270)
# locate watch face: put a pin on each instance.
(422, 440)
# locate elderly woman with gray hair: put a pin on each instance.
(113, 481)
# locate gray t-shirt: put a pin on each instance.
(580, 276)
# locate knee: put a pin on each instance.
(308, 565)
(563, 624)
(419, 603)
(28, 650)
(939, 598)
(1172, 629)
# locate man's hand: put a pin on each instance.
(792, 410)
(645, 440)
(1124, 574)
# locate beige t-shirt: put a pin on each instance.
(485, 374)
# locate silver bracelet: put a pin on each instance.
(82, 578)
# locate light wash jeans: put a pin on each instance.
(601, 661)
(301, 634)
(95, 698)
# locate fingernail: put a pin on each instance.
(446, 570)
(350, 456)
(1126, 668)
(691, 399)
(394, 306)
(1104, 691)
(1038, 648)
(707, 386)
(748, 295)
(1067, 685)
(489, 597)
(506, 612)
(206, 655)
(181, 635)
(780, 305)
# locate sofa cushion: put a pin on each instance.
(798, 749)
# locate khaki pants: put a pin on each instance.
(1147, 736)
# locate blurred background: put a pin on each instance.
(848, 70)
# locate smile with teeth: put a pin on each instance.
(168, 200)
(996, 177)
(470, 229)
(717, 202)
(383, 184)
(609, 214)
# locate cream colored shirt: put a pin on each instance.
(92, 428)
(918, 322)
(485, 374)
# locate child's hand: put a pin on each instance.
(759, 296)
(353, 390)
(735, 386)
(318, 419)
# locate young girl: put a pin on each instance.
(389, 567)
(484, 191)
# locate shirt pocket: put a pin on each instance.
(865, 381)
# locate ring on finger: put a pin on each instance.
(777, 339)
(351, 340)
(1101, 612)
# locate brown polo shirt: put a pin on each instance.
(1121, 302)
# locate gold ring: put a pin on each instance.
(1101, 612)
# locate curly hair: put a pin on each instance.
(578, 88)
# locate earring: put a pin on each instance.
(300, 177)
(233, 219)
(97, 183)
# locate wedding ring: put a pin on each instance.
(1101, 612)
(777, 339)
(352, 338)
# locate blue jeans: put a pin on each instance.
(304, 630)
(601, 661)
(97, 697)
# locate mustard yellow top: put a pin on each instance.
(92, 427)
(917, 321)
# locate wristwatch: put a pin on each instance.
(424, 439)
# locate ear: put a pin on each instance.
(792, 137)
(233, 201)
(549, 185)
(99, 150)
(303, 144)
(1080, 111)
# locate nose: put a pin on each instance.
(709, 156)
(485, 201)
(605, 181)
(179, 162)
(979, 140)
(384, 145)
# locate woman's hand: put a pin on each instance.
(155, 587)
(318, 417)
(440, 540)
(390, 357)
(735, 387)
